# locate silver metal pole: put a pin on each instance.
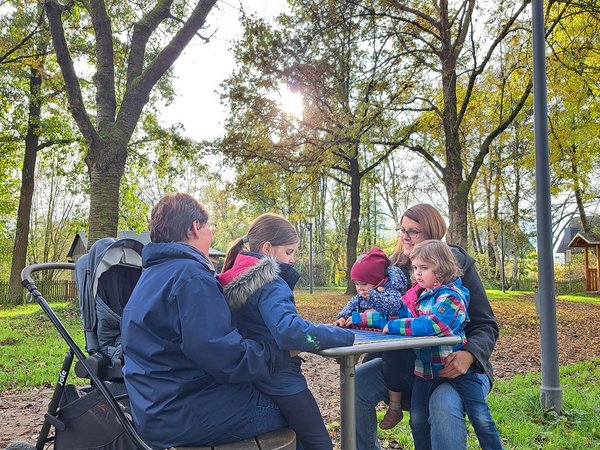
(348, 401)
(550, 391)
(310, 257)
(502, 255)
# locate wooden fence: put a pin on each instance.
(55, 290)
(562, 287)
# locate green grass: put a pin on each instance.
(497, 294)
(31, 350)
(516, 408)
(581, 297)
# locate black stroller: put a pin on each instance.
(94, 417)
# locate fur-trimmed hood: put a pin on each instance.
(248, 275)
(259, 290)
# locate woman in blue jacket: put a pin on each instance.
(187, 370)
(258, 286)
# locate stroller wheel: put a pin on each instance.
(20, 446)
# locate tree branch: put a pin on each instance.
(104, 78)
(139, 87)
(54, 12)
(479, 70)
(428, 156)
(22, 42)
(485, 146)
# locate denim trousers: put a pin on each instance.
(370, 390)
(265, 417)
(446, 409)
(438, 409)
(304, 417)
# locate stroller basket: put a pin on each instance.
(94, 420)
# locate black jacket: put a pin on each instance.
(482, 329)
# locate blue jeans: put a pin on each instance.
(370, 390)
(438, 407)
(446, 410)
(265, 417)
(304, 417)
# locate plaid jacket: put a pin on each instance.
(440, 312)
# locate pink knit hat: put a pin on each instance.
(370, 268)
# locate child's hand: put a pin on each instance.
(385, 329)
(341, 322)
(348, 322)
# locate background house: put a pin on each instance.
(79, 246)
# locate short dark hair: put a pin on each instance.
(173, 217)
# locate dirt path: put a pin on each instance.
(517, 351)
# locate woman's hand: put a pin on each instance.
(457, 363)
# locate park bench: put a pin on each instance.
(284, 439)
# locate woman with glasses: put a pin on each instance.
(446, 418)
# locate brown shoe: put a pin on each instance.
(391, 419)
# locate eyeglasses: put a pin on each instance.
(213, 227)
(411, 232)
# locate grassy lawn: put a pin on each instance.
(579, 297)
(582, 297)
(31, 352)
(515, 405)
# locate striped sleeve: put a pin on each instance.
(446, 316)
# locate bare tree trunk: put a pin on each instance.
(585, 225)
(19, 255)
(354, 225)
(105, 177)
(108, 131)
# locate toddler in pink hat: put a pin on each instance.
(379, 287)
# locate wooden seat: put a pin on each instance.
(284, 439)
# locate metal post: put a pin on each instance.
(502, 254)
(347, 401)
(310, 257)
(568, 261)
(550, 391)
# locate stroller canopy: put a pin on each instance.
(105, 278)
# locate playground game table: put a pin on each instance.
(368, 341)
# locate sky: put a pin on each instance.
(203, 66)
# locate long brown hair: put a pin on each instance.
(432, 224)
(268, 227)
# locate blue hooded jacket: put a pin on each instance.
(259, 291)
(187, 370)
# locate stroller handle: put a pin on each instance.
(28, 270)
(99, 385)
